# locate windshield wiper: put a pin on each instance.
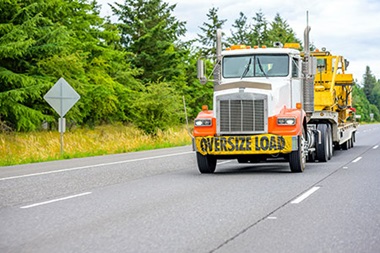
(246, 69)
(261, 67)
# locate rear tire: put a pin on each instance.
(311, 157)
(206, 163)
(330, 142)
(346, 145)
(297, 159)
(323, 148)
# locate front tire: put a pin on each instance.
(206, 163)
(297, 159)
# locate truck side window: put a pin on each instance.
(295, 66)
(321, 65)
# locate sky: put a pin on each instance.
(350, 28)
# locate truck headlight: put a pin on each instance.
(202, 122)
(286, 121)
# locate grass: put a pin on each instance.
(21, 148)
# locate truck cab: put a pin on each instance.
(257, 100)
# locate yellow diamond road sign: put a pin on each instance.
(61, 97)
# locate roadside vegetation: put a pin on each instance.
(39, 146)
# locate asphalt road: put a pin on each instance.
(156, 201)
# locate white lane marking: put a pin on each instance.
(345, 167)
(272, 218)
(93, 166)
(56, 200)
(357, 159)
(305, 195)
(375, 147)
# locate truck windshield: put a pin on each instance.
(241, 66)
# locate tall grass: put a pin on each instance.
(20, 148)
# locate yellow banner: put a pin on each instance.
(255, 144)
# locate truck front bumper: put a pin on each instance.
(245, 145)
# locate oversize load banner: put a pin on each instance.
(256, 144)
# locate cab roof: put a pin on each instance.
(261, 51)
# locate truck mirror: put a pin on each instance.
(346, 63)
(201, 72)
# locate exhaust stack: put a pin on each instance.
(217, 69)
(308, 70)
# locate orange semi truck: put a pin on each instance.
(275, 103)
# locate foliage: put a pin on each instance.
(259, 35)
(83, 142)
(157, 107)
(240, 34)
(369, 84)
(375, 95)
(371, 90)
(376, 114)
(360, 103)
(150, 31)
(42, 41)
(208, 36)
(261, 32)
(280, 31)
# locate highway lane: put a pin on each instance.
(157, 201)
(343, 215)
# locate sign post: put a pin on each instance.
(61, 97)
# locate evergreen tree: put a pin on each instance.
(41, 41)
(369, 84)
(208, 36)
(150, 31)
(240, 36)
(280, 31)
(259, 34)
(371, 88)
(360, 103)
(375, 95)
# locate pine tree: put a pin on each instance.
(240, 34)
(259, 34)
(280, 31)
(208, 36)
(25, 34)
(360, 103)
(41, 41)
(150, 32)
(369, 84)
(376, 95)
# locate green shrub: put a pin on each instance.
(157, 108)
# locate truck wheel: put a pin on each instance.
(311, 157)
(206, 163)
(297, 159)
(352, 140)
(323, 148)
(330, 142)
(345, 145)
